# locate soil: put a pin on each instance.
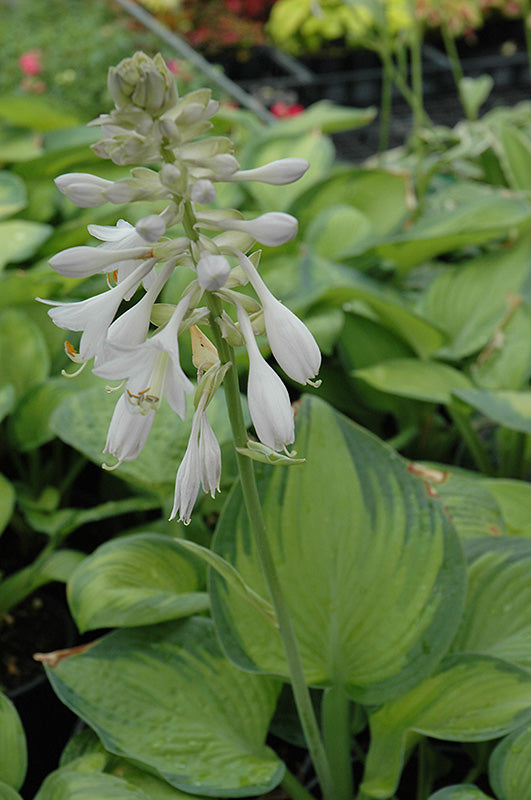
(36, 625)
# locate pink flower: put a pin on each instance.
(280, 109)
(30, 62)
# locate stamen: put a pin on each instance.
(74, 374)
(111, 468)
(110, 389)
(315, 384)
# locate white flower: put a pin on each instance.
(86, 191)
(203, 192)
(212, 272)
(152, 368)
(128, 431)
(292, 344)
(201, 465)
(209, 457)
(150, 228)
(273, 228)
(94, 315)
(278, 173)
(188, 480)
(269, 403)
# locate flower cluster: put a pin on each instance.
(140, 347)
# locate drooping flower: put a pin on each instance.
(94, 315)
(128, 432)
(269, 403)
(292, 344)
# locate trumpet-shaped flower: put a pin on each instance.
(95, 315)
(128, 431)
(201, 465)
(269, 403)
(273, 228)
(277, 173)
(292, 344)
(151, 368)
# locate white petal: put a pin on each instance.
(269, 403)
(272, 229)
(80, 262)
(292, 344)
(210, 457)
(278, 173)
(127, 431)
(86, 191)
(212, 272)
(188, 478)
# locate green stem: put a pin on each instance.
(335, 711)
(385, 111)
(294, 788)
(471, 439)
(416, 69)
(455, 65)
(258, 528)
(512, 450)
(526, 14)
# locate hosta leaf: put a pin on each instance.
(478, 221)
(371, 589)
(12, 194)
(20, 239)
(510, 766)
(515, 157)
(66, 784)
(463, 791)
(419, 380)
(7, 501)
(514, 499)
(135, 580)
(511, 409)
(29, 362)
(82, 421)
(85, 753)
(472, 507)
(7, 400)
(380, 195)
(505, 362)
(470, 698)
(8, 793)
(470, 300)
(39, 115)
(339, 232)
(165, 696)
(497, 614)
(13, 752)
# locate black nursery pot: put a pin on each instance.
(48, 724)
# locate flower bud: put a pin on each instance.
(150, 228)
(203, 192)
(278, 173)
(143, 82)
(86, 191)
(212, 272)
(273, 229)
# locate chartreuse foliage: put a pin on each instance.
(340, 527)
(13, 753)
(202, 724)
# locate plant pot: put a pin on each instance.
(42, 622)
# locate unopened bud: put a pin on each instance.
(212, 272)
(150, 228)
(203, 192)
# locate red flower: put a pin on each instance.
(280, 109)
(30, 62)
